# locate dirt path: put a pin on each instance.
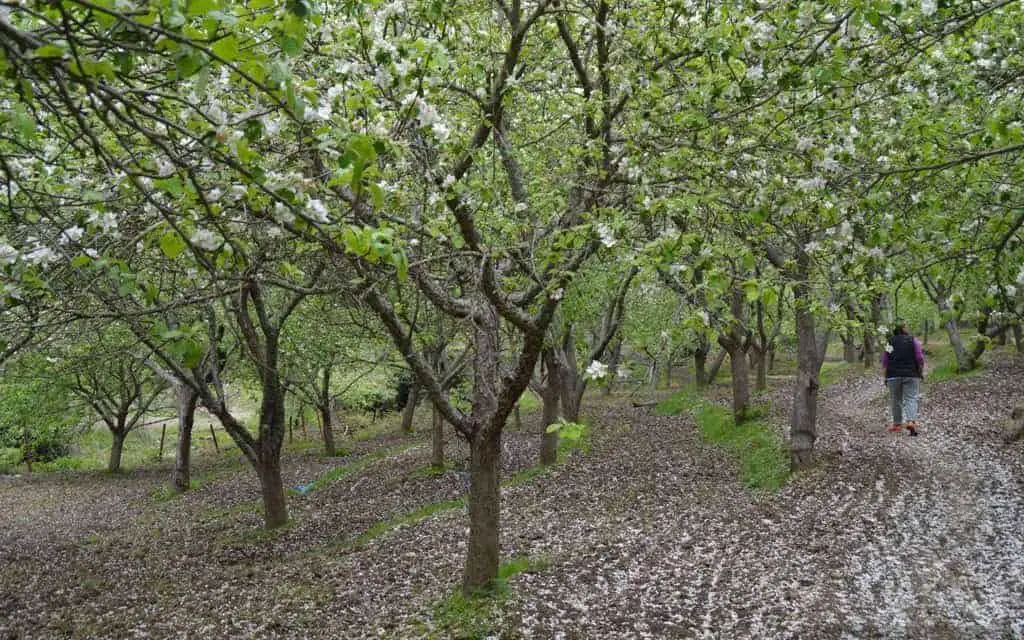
(650, 535)
(891, 536)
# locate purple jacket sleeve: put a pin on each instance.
(885, 360)
(918, 354)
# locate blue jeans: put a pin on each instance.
(903, 393)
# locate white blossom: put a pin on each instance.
(557, 294)
(206, 239)
(607, 235)
(318, 211)
(597, 370)
(8, 254)
(71, 234)
(449, 180)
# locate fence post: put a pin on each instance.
(163, 434)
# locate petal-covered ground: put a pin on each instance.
(648, 535)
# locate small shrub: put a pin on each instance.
(10, 458)
(66, 463)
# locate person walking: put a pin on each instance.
(903, 367)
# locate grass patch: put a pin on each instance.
(337, 473)
(431, 471)
(762, 456)
(833, 372)
(475, 617)
(764, 463)
(385, 527)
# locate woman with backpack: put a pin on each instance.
(903, 367)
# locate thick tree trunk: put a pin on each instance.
(185, 398)
(849, 348)
(1018, 339)
(700, 363)
(327, 430)
(268, 458)
(740, 385)
(114, 465)
(482, 555)
(803, 423)
(437, 440)
(759, 362)
(549, 441)
(771, 357)
(275, 511)
(410, 408)
(733, 342)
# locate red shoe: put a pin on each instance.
(896, 427)
(912, 427)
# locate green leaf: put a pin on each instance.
(49, 51)
(226, 48)
(172, 245)
(751, 290)
(201, 7)
(171, 185)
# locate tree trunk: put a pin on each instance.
(700, 363)
(1018, 339)
(275, 511)
(115, 450)
(716, 366)
(614, 359)
(740, 385)
(963, 359)
(849, 348)
(410, 408)
(326, 414)
(803, 423)
(327, 430)
(771, 357)
(437, 440)
(268, 458)
(870, 354)
(759, 362)
(185, 398)
(484, 511)
(549, 441)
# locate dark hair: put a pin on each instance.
(899, 328)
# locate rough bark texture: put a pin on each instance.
(327, 430)
(275, 511)
(185, 398)
(759, 362)
(410, 408)
(482, 556)
(803, 423)
(437, 440)
(735, 342)
(116, 447)
(326, 413)
(549, 441)
(700, 364)
(849, 348)
(1018, 339)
